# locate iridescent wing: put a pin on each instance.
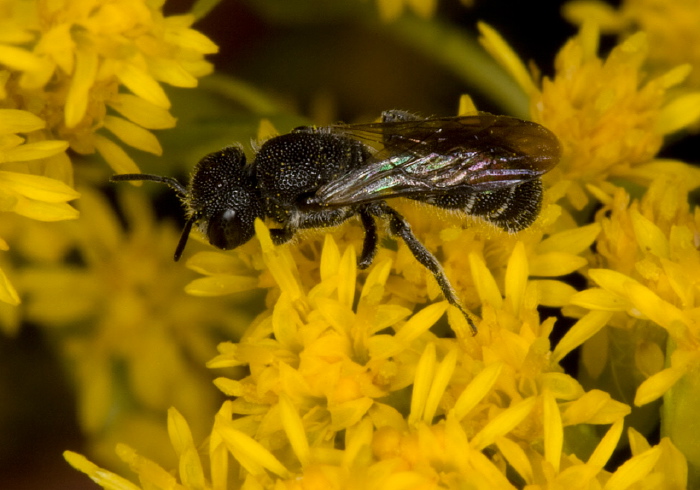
(436, 156)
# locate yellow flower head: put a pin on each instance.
(327, 359)
(67, 61)
(649, 250)
(501, 395)
(609, 115)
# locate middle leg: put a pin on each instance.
(400, 227)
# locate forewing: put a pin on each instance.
(435, 156)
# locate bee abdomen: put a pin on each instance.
(511, 208)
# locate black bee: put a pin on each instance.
(482, 165)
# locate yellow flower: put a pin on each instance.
(321, 362)
(673, 28)
(609, 116)
(390, 10)
(24, 189)
(423, 456)
(650, 250)
(384, 450)
(136, 343)
(67, 62)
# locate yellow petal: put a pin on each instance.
(116, 157)
(484, 282)
(279, 262)
(8, 293)
(294, 428)
(421, 385)
(37, 187)
(649, 237)
(220, 285)
(171, 72)
(658, 310)
(347, 273)
(497, 47)
(554, 264)
(517, 273)
(18, 121)
(602, 453)
(561, 386)
(104, 478)
(503, 423)
(82, 80)
(330, 258)
(150, 474)
(554, 293)
(421, 322)
(19, 59)
(600, 299)
(191, 470)
(678, 114)
(553, 430)
(179, 33)
(594, 407)
(252, 455)
(604, 15)
(133, 134)
(142, 84)
(582, 330)
(349, 413)
(633, 470)
(476, 390)
(466, 106)
(516, 457)
(657, 385)
(440, 381)
(34, 151)
(142, 112)
(573, 241)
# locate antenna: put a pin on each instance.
(169, 181)
(177, 187)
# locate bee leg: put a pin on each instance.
(369, 246)
(400, 227)
(281, 235)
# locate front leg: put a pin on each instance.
(302, 220)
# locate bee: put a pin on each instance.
(480, 165)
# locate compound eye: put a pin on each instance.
(227, 230)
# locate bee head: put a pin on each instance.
(222, 199)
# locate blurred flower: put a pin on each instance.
(22, 191)
(673, 28)
(390, 10)
(134, 342)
